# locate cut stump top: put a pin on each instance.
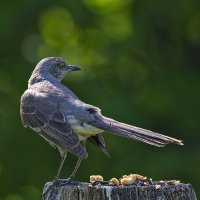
(85, 191)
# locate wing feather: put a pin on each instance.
(54, 128)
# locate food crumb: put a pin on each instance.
(115, 181)
(137, 177)
(131, 179)
(127, 181)
(157, 187)
(94, 178)
(172, 182)
(146, 183)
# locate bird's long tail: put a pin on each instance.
(133, 132)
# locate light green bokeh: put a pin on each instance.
(106, 6)
(57, 27)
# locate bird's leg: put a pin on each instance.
(71, 177)
(55, 182)
(63, 157)
(75, 169)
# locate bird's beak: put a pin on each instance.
(74, 68)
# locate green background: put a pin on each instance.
(141, 65)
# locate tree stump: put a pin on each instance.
(85, 191)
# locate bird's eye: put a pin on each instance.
(62, 65)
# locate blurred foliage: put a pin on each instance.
(141, 65)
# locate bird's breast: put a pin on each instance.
(82, 129)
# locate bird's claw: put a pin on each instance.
(68, 181)
(52, 185)
(57, 183)
(65, 181)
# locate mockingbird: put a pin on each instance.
(57, 114)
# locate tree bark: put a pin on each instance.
(85, 191)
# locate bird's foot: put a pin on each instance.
(62, 182)
(68, 181)
(56, 183)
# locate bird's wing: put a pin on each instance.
(45, 117)
(98, 140)
(131, 132)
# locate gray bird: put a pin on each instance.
(57, 114)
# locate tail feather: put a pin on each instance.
(133, 132)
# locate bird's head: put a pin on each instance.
(56, 66)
